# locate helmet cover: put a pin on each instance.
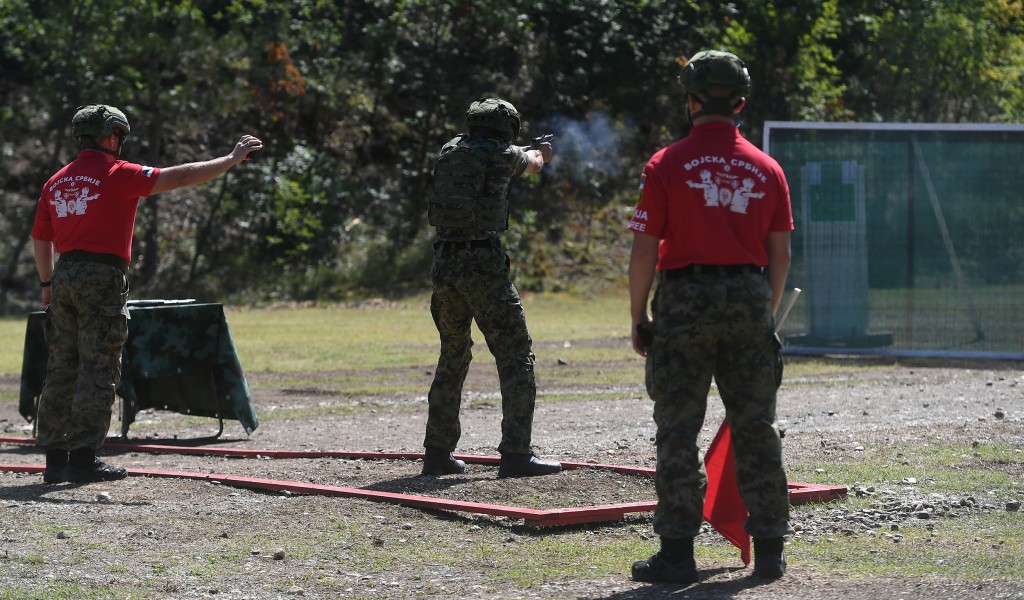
(715, 69)
(99, 120)
(496, 114)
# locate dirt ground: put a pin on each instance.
(174, 538)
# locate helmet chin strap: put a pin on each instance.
(714, 106)
(120, 144)
(95, 146)
(115, 153)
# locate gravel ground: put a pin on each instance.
(172, 538)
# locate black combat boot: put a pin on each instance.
(526, 465)
(441, 462)
(84, 467)
(56, 466)
(769, 559)
(674, 563)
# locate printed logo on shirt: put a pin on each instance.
(732, 186)
(72, 201)
(147, 171)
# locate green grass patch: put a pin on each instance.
(953, 469)
(523, 557)
(12, 343)
(33, 559)
(977, 543)
(809, 367)
(348, 338)
(374, 337)
(68, 591)
(986, 546)
(570, 556)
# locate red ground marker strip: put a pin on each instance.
(798, 492)
(550, 517)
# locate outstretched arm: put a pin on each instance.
(178, 176)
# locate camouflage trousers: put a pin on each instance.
(716, 326)
(475, 284)
(86, 328)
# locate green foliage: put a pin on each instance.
(937, 62)
(353, 100)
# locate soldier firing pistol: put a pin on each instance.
(547, 138)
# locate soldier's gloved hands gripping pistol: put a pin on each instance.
(543, 143)
(645, 333)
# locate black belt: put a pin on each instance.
(96, 257)
(468, 244)
(718, 270)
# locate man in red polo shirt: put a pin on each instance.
(713, 226)
(87, 213)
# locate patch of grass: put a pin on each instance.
(34, 559)
(987, 546)
(976, 544)
(963, 455)
(374, 337)
(12, 343)
(167, 563)
(368, 337)
(50, 530)
(516, 555)
(68, 591)
(232, 555)
(356, 542)
(329, 338)
(381, 389)
(568, 556)
(200, 571)
(808, 367)
(352, 384)
(954, 469)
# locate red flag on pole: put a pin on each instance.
(723, 507)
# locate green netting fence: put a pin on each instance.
(909, 238)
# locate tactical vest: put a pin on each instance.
(470, 191)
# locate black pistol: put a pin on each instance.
(646, 335)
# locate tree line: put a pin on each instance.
(353, 99)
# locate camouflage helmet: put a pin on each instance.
(496, 114)
(99, 120)
(715, 69)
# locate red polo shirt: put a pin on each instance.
(712, 198)
(91, 203)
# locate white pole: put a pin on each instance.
(787, 308)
